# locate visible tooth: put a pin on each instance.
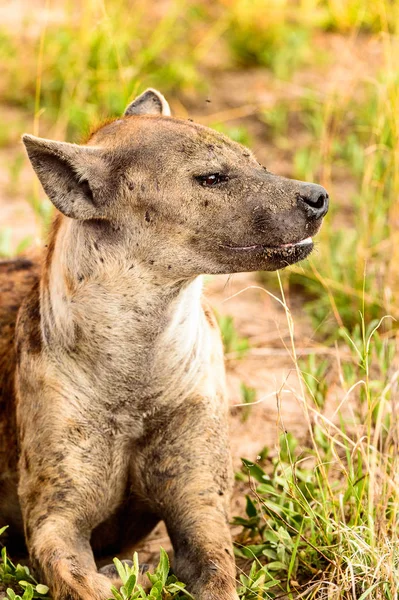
(308, 240)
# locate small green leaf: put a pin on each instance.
(152, 577)
(255, 471)
(277, 566)
(250, 508)
(136, 565)
(269, 553)
(131, 584)
(120, 567)
(21, 572)
(116, 593)
(163, 567)
(42, 589)
(28, 593)
(252, 550)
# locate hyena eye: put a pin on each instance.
(211, 179)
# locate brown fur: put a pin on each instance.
(16, 279)
(95, 128)
(112, 390)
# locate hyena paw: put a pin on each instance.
(216, 588)
(217, 594)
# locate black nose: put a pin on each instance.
(314, 199)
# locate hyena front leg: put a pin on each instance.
(186, 470)
(63, 556)
(70, 481)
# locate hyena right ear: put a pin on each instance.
(74, 177)
(150, 102)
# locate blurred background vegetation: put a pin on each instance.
(310, 85)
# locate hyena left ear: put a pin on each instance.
(150, 102)
(75, 178)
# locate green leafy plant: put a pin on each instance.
(163, 584)
(18, 577)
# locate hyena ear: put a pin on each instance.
(73, 177)
(150, 102)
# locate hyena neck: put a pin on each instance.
(97, 305)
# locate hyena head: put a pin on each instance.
(177, 196)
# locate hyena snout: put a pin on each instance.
(314, 200)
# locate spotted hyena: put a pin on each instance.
(112, 383)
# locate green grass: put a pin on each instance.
(322, 514)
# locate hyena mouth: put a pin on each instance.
(270, 258)
(307, 242)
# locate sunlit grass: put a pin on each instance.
(325, 513)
